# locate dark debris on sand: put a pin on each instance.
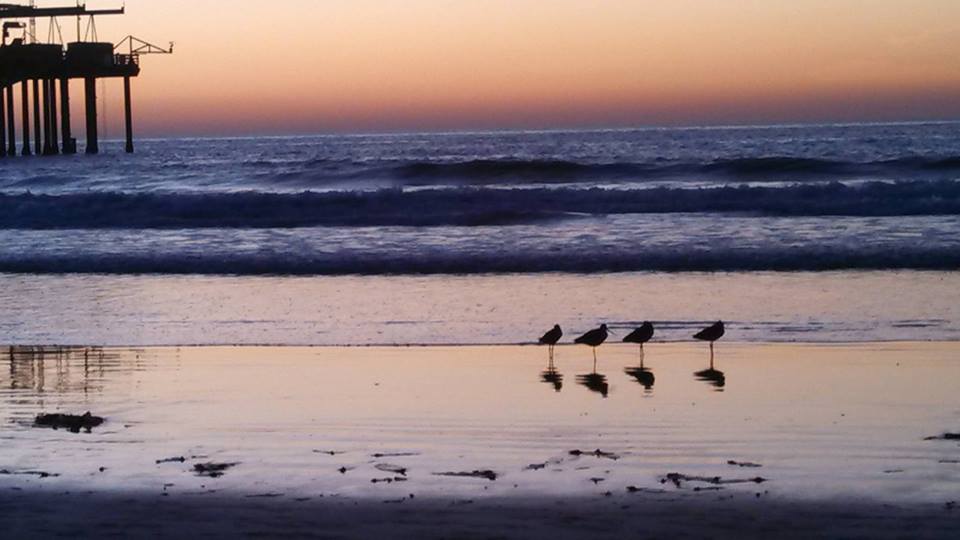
(395, 469)
(38, 474)
(945, 437)
(635, 489)
(388, 480)
(179, 459)
(488, 474)
(596, 453)
(678, 479)
(213, 470)
(744, 464)
(73, 423)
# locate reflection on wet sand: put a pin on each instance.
(643, 375)
(596, 382)
(551, 375)
(61, 370)
(344, 411)
(713, 376)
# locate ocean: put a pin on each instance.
(419, 217)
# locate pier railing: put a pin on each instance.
(126, 59)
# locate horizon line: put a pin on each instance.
(515, 130)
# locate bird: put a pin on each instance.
(552, 337)
(594, 338)
(640, 335)
(711, 334)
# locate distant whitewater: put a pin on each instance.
(775, 198)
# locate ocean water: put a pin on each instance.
(776, 198)
(291, 239)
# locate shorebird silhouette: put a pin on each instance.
(711, 334)
(594, 339)
(640, 335)
(551, 338)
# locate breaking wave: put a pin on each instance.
(456, 262)
(493, 171)
(464, 206)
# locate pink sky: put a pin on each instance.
(308, 66)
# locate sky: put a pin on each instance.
(245, 67)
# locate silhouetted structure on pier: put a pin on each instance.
(47, 68)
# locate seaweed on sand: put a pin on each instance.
(73, 423)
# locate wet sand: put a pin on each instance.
(98, 515)
(485, 442)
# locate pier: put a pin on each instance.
(41, 72)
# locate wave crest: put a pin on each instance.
(467, 206)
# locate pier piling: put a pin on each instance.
(54, 131)
(46, 116)
(37, 128)
(68, 144)
(3, 122)
(11, 126)
(128, 114)
(25, 116)
(90, 91)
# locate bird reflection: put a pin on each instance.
(643, 376)
(596, 382)
(552, 376)
(714, 377)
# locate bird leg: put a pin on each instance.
(711, 355)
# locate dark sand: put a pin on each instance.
(620, 515)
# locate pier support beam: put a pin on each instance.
(68, 144)
(54, 144)
(37, 129)
(25, 115)
(90, 91)
(11, 126)
(3, 121)
(128, 113)
(45, 92)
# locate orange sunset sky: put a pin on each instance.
(314, 66)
